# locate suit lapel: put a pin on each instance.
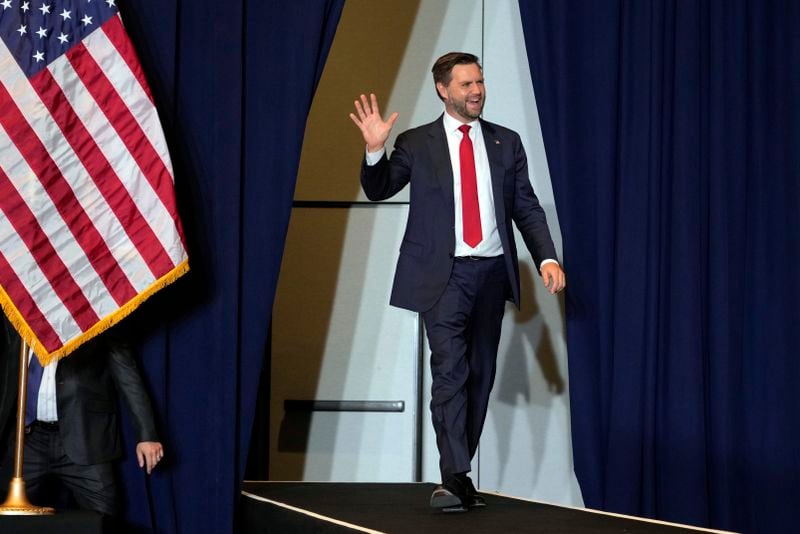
(494, 151)
(443, 167)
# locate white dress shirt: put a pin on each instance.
(490, 245)
(47, 407)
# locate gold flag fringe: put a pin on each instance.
(25, 332)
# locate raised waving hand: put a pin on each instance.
(368, 119)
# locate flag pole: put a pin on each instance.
(17, 502)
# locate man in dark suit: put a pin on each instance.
(76, 437)
(458, 260)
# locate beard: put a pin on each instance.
(460, 107)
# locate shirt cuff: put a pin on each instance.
(545, 262)
(374, 157)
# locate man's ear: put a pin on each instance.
(442, 90)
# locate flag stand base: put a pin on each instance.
(17, 501)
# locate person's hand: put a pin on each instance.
(149, 453)
(374, 129)
(553, 277)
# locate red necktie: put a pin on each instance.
(470, 211)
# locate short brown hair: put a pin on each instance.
(443, 68)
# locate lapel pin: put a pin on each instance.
(497, 141)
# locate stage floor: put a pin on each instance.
(330, 507)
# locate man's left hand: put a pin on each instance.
(149, 453)
(553, 277)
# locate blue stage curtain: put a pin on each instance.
(672, 132)
(233, 82)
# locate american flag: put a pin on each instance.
(89, 225)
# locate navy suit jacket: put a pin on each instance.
(421, 157)
(88, 384)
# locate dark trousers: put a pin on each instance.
(463, 332)
(45, 462)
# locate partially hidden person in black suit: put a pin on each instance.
(78, 448)
(458, 259)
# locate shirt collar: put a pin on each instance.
(451, 124)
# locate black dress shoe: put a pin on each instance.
(451, 496)
(474, 499)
